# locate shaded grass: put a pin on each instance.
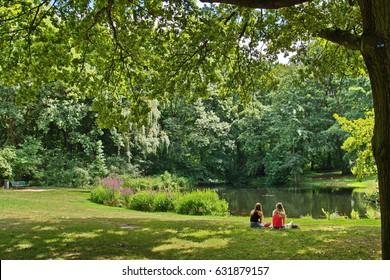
(64, 224)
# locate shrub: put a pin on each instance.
(200, 202)
(373, 214)
(82, 178)
(98, 195)
(113, 197)
(169, 182)
(164, 182)
(163, 202)
(142, 201)
(106, 195)
(141, 184)
(372, 195)
(126, 194)
(113, 192)
(355, 215)
(7, 154)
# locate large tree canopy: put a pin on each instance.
(125, 53)
(362, 26)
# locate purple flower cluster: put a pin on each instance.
(111, 183)
(127, 191)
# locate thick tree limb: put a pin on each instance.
(341, 37)
(260, 4)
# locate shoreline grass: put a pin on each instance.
(336, 179)
(65, 224)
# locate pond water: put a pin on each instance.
(297, 202)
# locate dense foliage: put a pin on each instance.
(359, 143)
(124, 59)
(147, 87)
(56, 140)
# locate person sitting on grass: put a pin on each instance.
(279, 217)
(257, 217)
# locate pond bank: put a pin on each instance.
(336, 179)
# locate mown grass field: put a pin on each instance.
(65, 224)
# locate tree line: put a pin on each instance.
(59, 140)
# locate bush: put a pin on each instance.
(111, 191)
(106, 195)
(199, 202)
(6, 155)
(142, 201)
(126, 194)
(98, 195)
(355, 215)
(169, 182)
(164, 182)
(163, 202)
(373, 214)
(141, 184)
(82, 178)
(371, 195)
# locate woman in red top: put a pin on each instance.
(278, 216)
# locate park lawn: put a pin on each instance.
(65, 224)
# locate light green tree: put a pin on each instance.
(359, 142)
(7, 154)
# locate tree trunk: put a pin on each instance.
(376, 52)
(380, 80)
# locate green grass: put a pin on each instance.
(336, 179)
(64, 224)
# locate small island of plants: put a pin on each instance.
(164, 193)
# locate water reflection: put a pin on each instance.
(297, 202)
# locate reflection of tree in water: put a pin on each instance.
(297, 202)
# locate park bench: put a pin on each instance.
(17, 184)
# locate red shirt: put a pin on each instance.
(277, 221)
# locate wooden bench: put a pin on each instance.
(17, 184)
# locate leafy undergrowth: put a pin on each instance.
(64, 224)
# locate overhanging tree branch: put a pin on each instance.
(344, 38)
(260, 4)
(98, 15)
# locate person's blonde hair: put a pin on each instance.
(280, 207)
(258, 207)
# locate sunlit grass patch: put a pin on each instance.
(85, 230)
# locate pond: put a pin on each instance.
(297, 202)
